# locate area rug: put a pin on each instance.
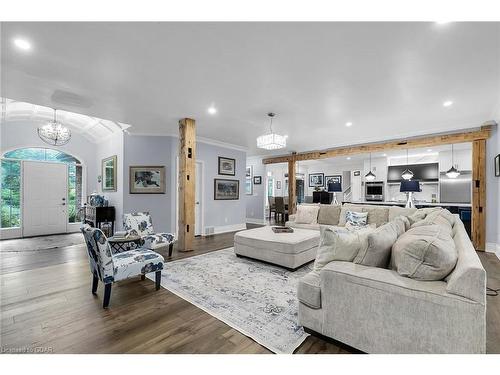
(255, 298)
(41, 242)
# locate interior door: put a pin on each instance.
(198, 197)
(45, 194)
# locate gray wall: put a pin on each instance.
(255, 202)
(163, 150)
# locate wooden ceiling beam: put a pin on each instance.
(400, 144)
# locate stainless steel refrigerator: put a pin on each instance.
(456, 190)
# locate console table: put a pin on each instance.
(95, 216)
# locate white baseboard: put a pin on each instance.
(230, 228)
(492, 247)
(10, 233)
(256, 221)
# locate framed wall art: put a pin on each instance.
(108, 173)
(147, 179)
(316, 180)
(226, 189)
(227, 166)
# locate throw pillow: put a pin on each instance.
(396, 211)
(380, 241)
(377, 215)
(329, 214)
(425, 253)
(357, 218)
(307, 214)
(343, 212)
(439, 217)
(339, 244)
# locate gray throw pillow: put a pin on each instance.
(380, 241)
(377, 215)
(425, 253)
(329, 214)
(440, 217)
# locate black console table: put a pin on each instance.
(323, 197)
(95, 216)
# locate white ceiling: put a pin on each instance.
(389, 79)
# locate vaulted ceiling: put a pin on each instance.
(387, 79)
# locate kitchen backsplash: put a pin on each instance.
(428, 190)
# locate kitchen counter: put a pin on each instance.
(426, 204)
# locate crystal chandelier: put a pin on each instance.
(54, 133)
(271, 141)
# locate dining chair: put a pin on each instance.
(281, 211)
(272, 206)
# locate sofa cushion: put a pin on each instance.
(340, 244)
(377, 215)
(307, 214)
(421, 214)
(440, 217)
(329, 214)
(293, 224)
(396, 211)
(309, 290)
(380, 241)
(425, 253)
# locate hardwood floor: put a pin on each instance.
(46, 302)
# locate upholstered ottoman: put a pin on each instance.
(290, 250)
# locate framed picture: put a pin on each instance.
(357, 173)
(257, 180)
(248, 180)
(497, 165)
(227, 166)
(108, 173)
(278, 185)
(147, 179)
(334, 178)
(316, 180)
(225, 190)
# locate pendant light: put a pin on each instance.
(370, 176)
(54, 133)
(271, 141)
(452, 172)
(407, 174)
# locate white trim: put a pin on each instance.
(229, 228)
(73, 227)
(256, 221)
(208, 141)
(9, 233)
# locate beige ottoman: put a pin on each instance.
(290, 250)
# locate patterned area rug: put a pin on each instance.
(257, 299)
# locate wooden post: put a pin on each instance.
(292, 187)
(478, 230)
(187, 145)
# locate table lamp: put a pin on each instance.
(410, 187)
(334, 187)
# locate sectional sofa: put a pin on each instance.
(376, 310)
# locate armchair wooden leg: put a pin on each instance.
(107, 296)
(170, 249)
(143, 277)
(95, 282)
(157, 279)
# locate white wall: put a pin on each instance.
(255, 203)
(492, 194)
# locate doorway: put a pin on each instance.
(45, 195)
(198, 215)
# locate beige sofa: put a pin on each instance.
(376, 310)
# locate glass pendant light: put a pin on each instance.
(452, 172)
(370, 176)
(271, 141)
(54, 133)
(407, 174)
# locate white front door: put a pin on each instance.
(198, 197)
(45, 195)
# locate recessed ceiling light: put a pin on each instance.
(212, 110)
(384, 154)
(348, 158)
(429, 150)
(447, 103)
(348, 124)
(442, 22)
(22, 44)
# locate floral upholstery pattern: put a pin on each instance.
(115, 267)
(140, 223)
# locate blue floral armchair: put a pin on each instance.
(109, 268)
(140, 223)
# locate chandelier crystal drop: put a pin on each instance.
(271, 141)
(54, 133)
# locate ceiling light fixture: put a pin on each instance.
(348, 124)
(22, 44)
(407, 174)
(212, 110)
(452, 172)
(54, 133)
(348, 158)
(447, 103)
(370, 176)
(271, 141)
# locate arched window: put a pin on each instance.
(11, 182)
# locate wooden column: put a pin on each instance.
(292, 187)
(478, 229)
(187, 144)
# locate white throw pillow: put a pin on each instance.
(358, 219)
(307, 214)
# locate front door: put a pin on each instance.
(45, 194)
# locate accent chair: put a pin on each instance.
(109, 268)
(141, 224)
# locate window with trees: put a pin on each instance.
(11, 182)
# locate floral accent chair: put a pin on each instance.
(110, 268)
(141, 224)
